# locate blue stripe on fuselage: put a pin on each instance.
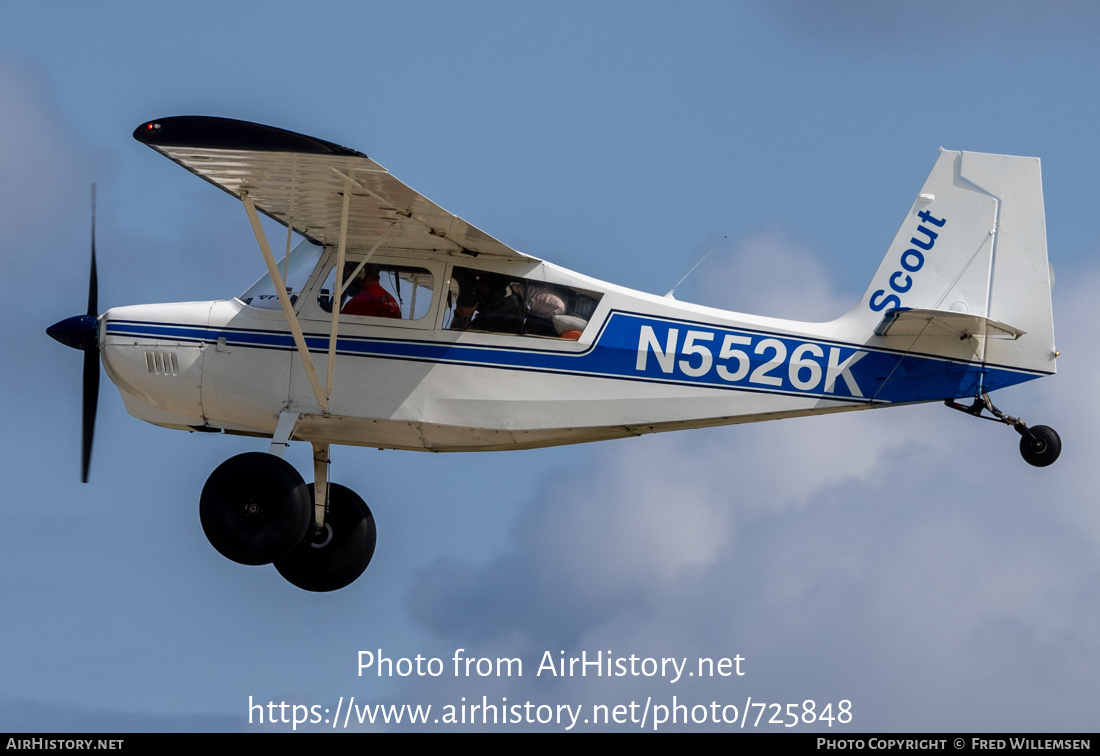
(637, 347)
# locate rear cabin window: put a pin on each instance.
(480, 300)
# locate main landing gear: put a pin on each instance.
(1039, 445)
(256, 509)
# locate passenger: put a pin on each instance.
(542, 302)
(371, 300)
(499, 307)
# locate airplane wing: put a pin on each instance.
(299, 181)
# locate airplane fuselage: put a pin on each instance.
(642, 364)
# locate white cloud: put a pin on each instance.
(766, 274)
(45, 169)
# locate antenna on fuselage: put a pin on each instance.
(693, 267)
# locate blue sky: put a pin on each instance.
(907, 561)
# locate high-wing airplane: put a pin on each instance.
(398, 325)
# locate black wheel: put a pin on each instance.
(255, 508)
(1043, 449)
(342, 551)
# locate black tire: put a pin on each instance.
(1043, 448)
(342, 557)
(255, 508)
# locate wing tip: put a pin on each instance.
(213, 132)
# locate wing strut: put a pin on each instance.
(284, 302)
(338, 299)
(322, 393)
(342, 284)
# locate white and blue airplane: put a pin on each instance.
(398, 325)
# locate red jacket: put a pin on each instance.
(374, 301)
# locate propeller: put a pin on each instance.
(82, 332)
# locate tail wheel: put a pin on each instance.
(335, 557)
(255, 508)
(1042, 448)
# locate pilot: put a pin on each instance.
(372, 300)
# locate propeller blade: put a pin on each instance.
(93, 280)
(90, 396)
(82, 332)
(88, 406)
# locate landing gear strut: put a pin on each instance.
(1039, 445)
(256, 509)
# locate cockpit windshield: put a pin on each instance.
(295, 269)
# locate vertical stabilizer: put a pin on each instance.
(974, 242)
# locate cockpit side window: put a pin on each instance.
(381, 290)
(481, 300)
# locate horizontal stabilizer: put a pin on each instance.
(961, 325)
